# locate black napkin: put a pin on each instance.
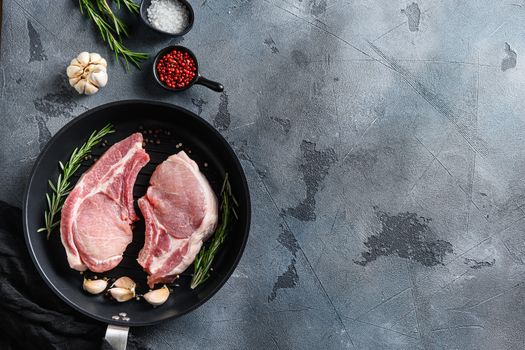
(31, 315)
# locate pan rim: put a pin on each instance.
(63, 130)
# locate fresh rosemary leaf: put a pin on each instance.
(204, 259)
(112, 28)
(130, 5)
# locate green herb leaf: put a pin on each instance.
(131, 6)
(204, 259)
(112, 28)
(62, 187)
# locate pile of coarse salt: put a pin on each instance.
(168, 15)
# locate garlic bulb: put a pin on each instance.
(87, 73)
(94, 286)
(158, 296)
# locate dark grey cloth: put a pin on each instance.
(31, 315)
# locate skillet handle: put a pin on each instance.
(117, 336)
(210, 84)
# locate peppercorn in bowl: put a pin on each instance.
(175, 68)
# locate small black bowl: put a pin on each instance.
(144, 16)
(198, 79)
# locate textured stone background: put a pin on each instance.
(384, 143)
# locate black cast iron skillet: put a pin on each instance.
(166, 126)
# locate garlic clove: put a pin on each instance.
(74, 81)
(94, 68)
(122, 294)
(94, 286)
(75, 62)
(158, 296)
(99, 78)
(80, 86)
(124, 282)
(103, 62)
(83, 58)
(97, 68)
(73, 71)
(90, 89)
(94, 57)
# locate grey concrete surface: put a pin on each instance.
(384, 143)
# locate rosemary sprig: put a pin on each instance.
(204, 259)
(61, 189)
(130, 5)
(112, 28)
(118, 24)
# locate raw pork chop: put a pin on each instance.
(181, 212)
(97, 215)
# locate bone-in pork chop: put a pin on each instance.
(97, 215)
(181, 212)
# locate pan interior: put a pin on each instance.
(168, 129)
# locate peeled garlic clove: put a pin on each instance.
(90, 89)
(73, 71)
(103, 62)
(122, 294)
(99, 78)
(74, 81)
(124, 282)
(158, 296)
(80, 86)
(83, 58)
(94, 286)
(94, 57)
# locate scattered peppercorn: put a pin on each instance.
(176, 69)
